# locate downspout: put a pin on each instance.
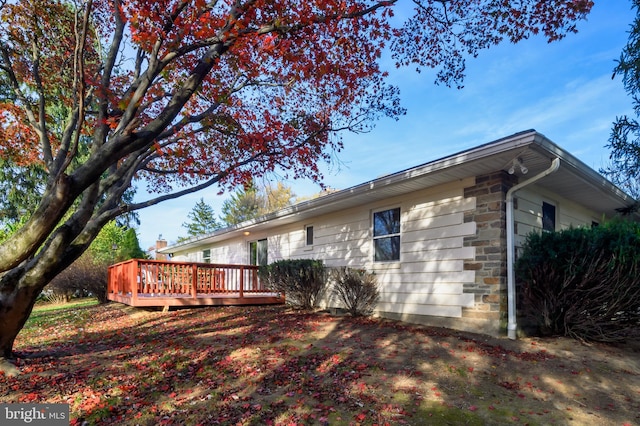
(511, 249)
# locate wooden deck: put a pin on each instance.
(138, 282)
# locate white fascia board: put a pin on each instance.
(584, 172)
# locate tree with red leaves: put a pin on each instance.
(185, 94)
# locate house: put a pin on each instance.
(441, 237)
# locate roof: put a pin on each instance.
(574, 181)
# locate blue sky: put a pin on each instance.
(564, 90)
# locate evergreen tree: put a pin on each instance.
(624, 169)
(131, 246)
(202, 220)
(243, 205)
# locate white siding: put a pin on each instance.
(236, 251)
(232, 252)
(185, 257)
(428, 279)
(528, 215)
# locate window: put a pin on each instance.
(258, 252)
(386, 235)
(548, 217)
(206, 256)
(309, 233)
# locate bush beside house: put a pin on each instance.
(301, 280)
(356, 289)
(305, 283)
(582, 282)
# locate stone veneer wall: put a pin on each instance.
(490, 242)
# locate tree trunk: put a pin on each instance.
(20, 287)
(16, 304)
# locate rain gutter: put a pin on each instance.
(511, 249)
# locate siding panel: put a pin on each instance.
(421, 288)
(446, 254)
(425, 280)
(465, 300)
(415, 309)
(461, 230)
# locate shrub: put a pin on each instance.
(84, 277)
(582, 282)
(356, 289)
(301, 280)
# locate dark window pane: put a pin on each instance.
(387, 249)
(386, 222)
(548, 217)
(309, 235)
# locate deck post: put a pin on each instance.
(109, 279)
(194, 285)
(133, 280)
(241, 281)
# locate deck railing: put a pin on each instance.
(137, 277)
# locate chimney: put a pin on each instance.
(160, 244)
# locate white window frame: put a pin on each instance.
(397, 235)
